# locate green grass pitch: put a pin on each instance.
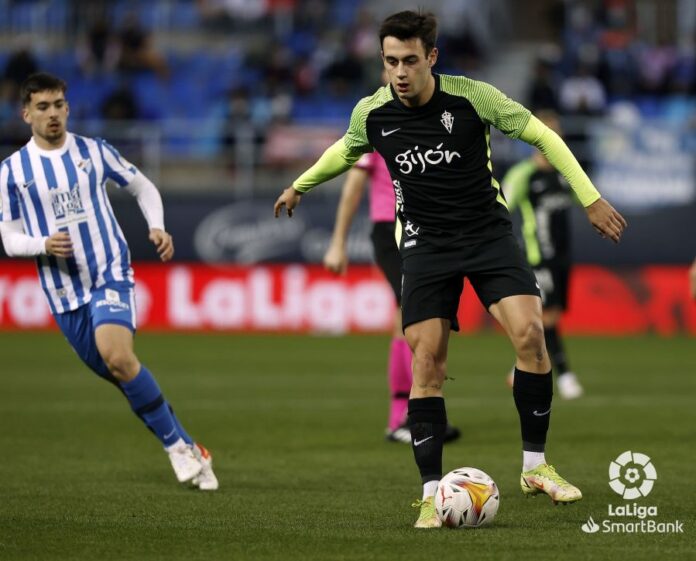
(295, 425)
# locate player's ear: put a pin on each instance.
(432, 57)
(25, 114)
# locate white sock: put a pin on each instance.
(178, 444)
(429, 489)
(530, 460)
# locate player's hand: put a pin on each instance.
(606, 220)
(59, 245)
(336, 259)
(289, 199)
(163, 242)
(692, 279)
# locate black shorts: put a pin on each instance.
(433, 282)
(553, 281)
(387, 255)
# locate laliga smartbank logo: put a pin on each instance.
(632, 475)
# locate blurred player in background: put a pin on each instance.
(544, 199)
(692, 279)
(372, 168)
(452, 222)
(54, 207)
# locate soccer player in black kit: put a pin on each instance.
(544, 200)
(453, 222)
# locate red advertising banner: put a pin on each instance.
(301, 298)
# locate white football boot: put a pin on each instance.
(183, 460)
(205, 480)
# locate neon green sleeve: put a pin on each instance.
(334, 161)
(342, 155)
(516, 183)
(556, 152)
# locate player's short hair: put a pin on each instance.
(410, 25)
(40, 82)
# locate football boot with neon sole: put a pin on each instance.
(544, 479)
(427, 518)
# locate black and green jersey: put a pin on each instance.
(439, 158)
(544, 199)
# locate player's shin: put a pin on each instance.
(533, 394)
(399, 382)
(427, 420)
(147, 402)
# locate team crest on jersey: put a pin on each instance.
(86, 166)
(447, 121)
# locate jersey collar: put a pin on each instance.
(69, 139)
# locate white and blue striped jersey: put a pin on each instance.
(65, 190)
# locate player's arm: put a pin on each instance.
(692, 279)
(15, 240)
(337, 159)
(336, 258)
(605, 219)
(18, 243)
(516, 121)
(128, 177)
(150, 203)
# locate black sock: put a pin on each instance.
(554, 346)
(427, 420)
(532, 393)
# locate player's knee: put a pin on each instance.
(529, 338)
(121, 363)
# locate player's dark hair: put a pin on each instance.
(40, 82)
(410, 25)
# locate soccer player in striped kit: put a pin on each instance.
(54, 207)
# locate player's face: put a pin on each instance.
(47, 114)
(409, 69)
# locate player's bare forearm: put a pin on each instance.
(606, 220)
(692, 279)
(163, 243)
(289, 199)
(348, 205)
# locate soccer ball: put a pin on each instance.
(466, 498)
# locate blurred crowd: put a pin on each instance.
(262, 62)
(608, 51)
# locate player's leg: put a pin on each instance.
(427, 417)
(432, 285)
(520, 317)
(115, 345)
(506, 286)
(553, 281)
(399, 377)
(112, 312)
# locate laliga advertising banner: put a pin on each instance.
(306, 298)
